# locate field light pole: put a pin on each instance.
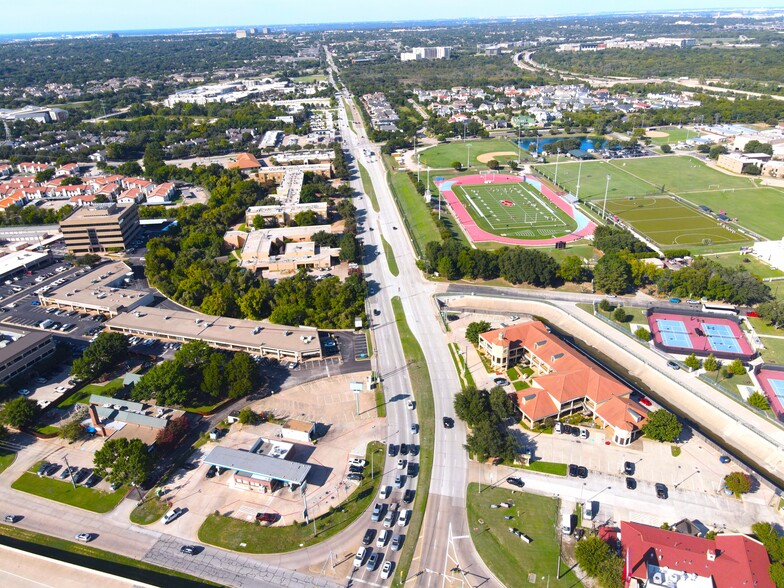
(519, 138)
(557, 157)
(606, 189)
(579, 173)
(468, 157)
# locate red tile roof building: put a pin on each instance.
(655, 557)
(564, 382)
(245, 162)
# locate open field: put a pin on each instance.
(747, 205)
(754, 265)
(674, 135)
(509, 558)
(415, 211)
(668, 222)
(444, 154)
(514, 210)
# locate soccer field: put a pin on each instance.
(668, 222)
(514, 210)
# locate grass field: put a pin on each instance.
(674, 135)
(6, 459)
(666, 221)
(83, 394)
(367, 186)
(60, 491)
(754, 265)
(415, 211)
(745, 205)
(442, 156)
(509, 558)
(150, 511)
(514, 210)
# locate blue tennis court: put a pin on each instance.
(721, 338)
(674, 333)
(778, 388)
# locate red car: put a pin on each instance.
(752, 314)
(266, 517)
(645, 401)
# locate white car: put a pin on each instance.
(410, 405)
(401, 464)
(383, 538)
(385, 492)
(359, 558)
(386, 570)
(85, 537)
(405, 515)
(357, 462)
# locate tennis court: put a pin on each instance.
(721, 338)
(681, 332)
(772, 383)
(674, 333)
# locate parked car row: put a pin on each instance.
(572, 430)
(84, 476)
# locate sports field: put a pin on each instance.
(443, 155)
(759, 209)
(514, 210)
(668, 222)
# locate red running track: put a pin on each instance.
(479, 235)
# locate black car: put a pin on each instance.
(631, 484)
(582, 472)
(413, 449)
(188, 549)
(628, 468)
(408, 496)
(367, 539)
(82, 475)
(212, 471)
(403, 449)
(190, 466)
(92, 480)
(448, 422)
(354, 477)
(575, 431)
(42, 471)
(354, 469)
(411, 470)
(515, 482)
(566, 429)
(572, 470)
(392, 450)
(661, 491)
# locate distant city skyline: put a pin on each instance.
(63, 16)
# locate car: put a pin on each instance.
(628, 468)
(378, 511)
(359, 558)
(411, 470)
(376, 312)
(189, 549)
(582, 472)
(386, 570)
(190, 466)
(354, 469)
(385, 492)
(389, 520)
(408, 496)
(212, 471)
(515, 482)
(292, 365)
(400, 480)
(93, 480)
(375, 559)
(501, 382)
(612, 296)
(692, 302)
(661, 491)
(572, 470)
(367, 538)
(673, 365)
(448, 422)
(354, 477)
(172, 514)
(413, 449)
(383, 538)
(329, 343)
(401, 463)
(410, 405)
(68, 472)
(405, 515)
(414, 428)
(583, 433)
(35, 303)
(644, 401)
(81, 475)
(558, 427)
(575, 431)
(43, 468)
(397, 542)
(84, 537)
(266, 517)
(355, 461)
(392, 450)
(9, 518)
(403, 449)
(675, 300)
(25, 392)
(631, 483)
(725, 459)
(566, 429)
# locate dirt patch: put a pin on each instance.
(485, 157)
(656, 134)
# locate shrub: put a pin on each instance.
(642, 333)
(605, 305)
(619, 314)
(758, 400)
(693, 362)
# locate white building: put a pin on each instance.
(419, 53)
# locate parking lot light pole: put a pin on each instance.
(372, 463)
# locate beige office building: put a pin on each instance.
(21, 350)
(100, 228)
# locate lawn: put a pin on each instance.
(97, 559)
(507, 556)
(367, 186)
(83, 395)
(444, 154)
(381, 402)
(416, 213)
(423, 393)
(674, 135)
(390, 255)
(759, 209)
(150, 511)
(62, 491)
(774, 350)
(6, 459)
(237, 535)
(761, 327)
(546, 467)
(754, 265)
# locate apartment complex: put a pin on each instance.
(564, 382)
(418, 53)
(21, 350)
(100, 228)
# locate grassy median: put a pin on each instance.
(423, 393)
(390, 255)
(236, 535)
(367, 186)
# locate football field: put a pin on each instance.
(514, 210)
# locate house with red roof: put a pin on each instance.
(161, 194)
(564, 381)
(27, 167)
(656, 558)
(6, 170)
(245, 162)
(69, 169)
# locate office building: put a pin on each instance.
(100, 228)
(21, 350)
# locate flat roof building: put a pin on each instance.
(21, 350)
(19, 261)
(101, 290)
(100, 228)
(286, 249)
(255, 471)
(297, 343)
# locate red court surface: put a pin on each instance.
(684, 333)
(479, 235)
(772, 381)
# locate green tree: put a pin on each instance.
(248, 417)
(456, 165)
(513, 165)
(693, 362)
(751, 169)
(44, 175)
(737, 368)
(772, 312)
(446, 268)
(662, 426)
(612, 274)
(350, 249)
(619, 315)
(716, 150)
(776, 571)
(489, 439)
(476, 328)
(493, 164)
(711, 364)
(123, 461)
(258, 222)
(572, 269)
(611, 572)
(306, 218)
(72, 430)
(605, 305)
(472, 405)
(241, 374)
(758, 400)
(666, 148)
(501, 404)
(642, 333)
(738, 483)
(20, 412)
(166, 383)
(590, 553)
(755, 146)
(105, 352)
(769, 537)
(213, 376)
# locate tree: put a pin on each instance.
(248, 417)
(711, 364)
(513, 165)
(456, 165)
(662, 426)
(476, 328)
(590, 553)
(472, 405)
(736, 367)
(500, 403)
(716, 150)
(758, 400)
(693, 362)
(642, 333)
(751, 169)
(241, 375)
(213, 376)
(605, 305)
(493, 164)
(489, 439)
(446, 268)
(20, 412)
(738, 483)
(755, 146)
(776, 571)
(572, 269)
(666, 148)
(165, 383)
(612, 274)
(72, 430)
(305, 218)
(105, 352)
(619, 315)
(174, 431)
(769, 537)
(350, 249)
(772, 312)
(44, 175)
(123, 461)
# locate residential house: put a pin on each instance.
(245, 162)
(27, 167)
(162, 194)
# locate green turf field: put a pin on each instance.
(746, 205)
(668, 222)
(444, 154)
(674, 135)
(514, 210)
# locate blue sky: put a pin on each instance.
(90, 15)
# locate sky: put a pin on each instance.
(108, 15)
